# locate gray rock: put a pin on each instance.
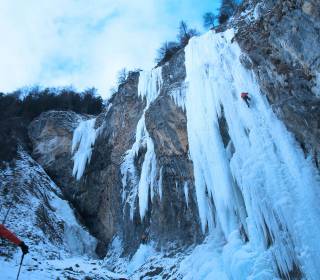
(245, 61)
(172, 219)
(51, 135)
(280, 48)
(283, 44)
(310, 8)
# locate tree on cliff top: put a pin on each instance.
(227, 9)
(166, 51)
(29, 103)
(122, 76)
(185, 33)
(209, 20)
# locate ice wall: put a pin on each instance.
(134, 185)
(76, 238)
(83, 140)
(262, 197)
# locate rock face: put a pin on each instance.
(172, 218)
(282, 41)
(51, 136)
(118, 126)
(97, 196)
(175, 216)
(288, 71)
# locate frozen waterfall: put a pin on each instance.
(257, 194)
(83, 140)
(149, 88)
(260, 184)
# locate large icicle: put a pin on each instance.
(150, 85)
(83, 140)
(149, 88)
(280, 188)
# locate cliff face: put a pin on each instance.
(282, 41)
(98, 194)
(51, 136)
(142, 182)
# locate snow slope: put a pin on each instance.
(59, 245)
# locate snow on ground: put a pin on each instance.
(68, 268)
(141, 256)
(147, 262)
(58, 244)
(83, 140)
(204, 263)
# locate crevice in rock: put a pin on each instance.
(223, 127)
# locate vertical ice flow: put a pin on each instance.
(186, 192)
(83, 140)
(139, 186)
(265, 179)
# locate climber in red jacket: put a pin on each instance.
(246, 98)
(7, 234)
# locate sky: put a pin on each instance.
(85, 43)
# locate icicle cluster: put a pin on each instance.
(260, 184)
(140, 186)
(83, 140)
(179, 96)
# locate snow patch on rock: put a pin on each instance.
(149, 88)
(83, 140)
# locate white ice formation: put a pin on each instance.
(83, 140)
(141, 186)
(264, 188)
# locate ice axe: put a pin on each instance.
(21, 261)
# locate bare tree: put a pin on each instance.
(227, 9)
(166, 51)
(122, 76)
(209, 20)
(185, 33)
(113, 90)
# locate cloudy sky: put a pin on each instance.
(85, 43)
